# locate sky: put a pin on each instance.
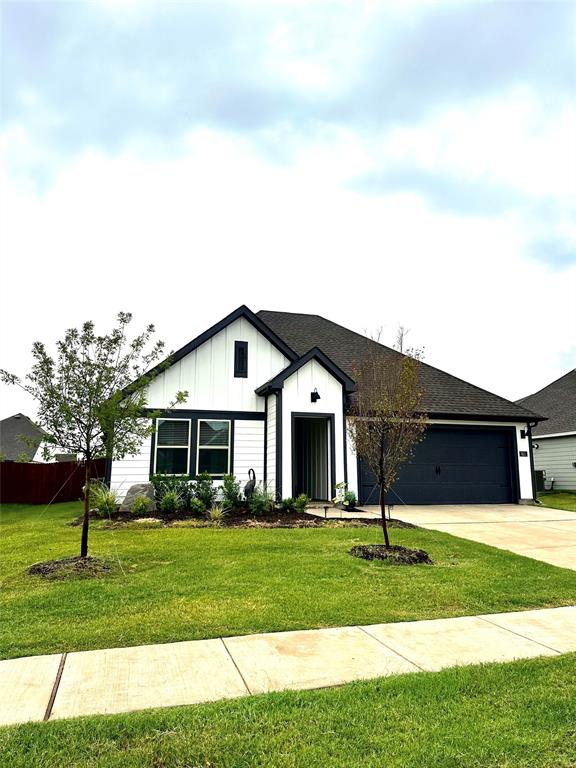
(378, 163)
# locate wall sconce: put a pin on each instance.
(314, 396)
(523, 433)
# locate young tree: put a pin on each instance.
(91, 398)
(387, 420)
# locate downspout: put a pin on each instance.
(529, 426)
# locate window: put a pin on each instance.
(172, 447)
(241, 359)
(213, 447)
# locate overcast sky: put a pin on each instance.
(375, 163)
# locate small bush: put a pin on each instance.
(102, 498)
(179, 484)
(261, 502)
(140, 506)
(231, 494)
(301, 502)
(204, 489)
(170, 503)
(350, 499)
(196, 507)
(216, 514)
(287, 505)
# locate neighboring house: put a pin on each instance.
(554, 440)
(19, 436)
(253, 383)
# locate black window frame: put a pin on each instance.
(228, 448)
(240, 351)
(160, 447)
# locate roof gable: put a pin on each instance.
(313, 354)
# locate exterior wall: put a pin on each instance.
(351, 465)
(207, 373)
(523, 462)
(296, 399)
(248, 450)
(131, 469)
(271, 444)
(557, 456)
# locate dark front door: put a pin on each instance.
(452, 466)
(310, 457)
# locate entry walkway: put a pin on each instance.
(127, 679)
(533, 531)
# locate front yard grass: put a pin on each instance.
(519, 715)
(559, 500)
(184, 583)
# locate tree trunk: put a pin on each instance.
(383, 513)
(86, 521)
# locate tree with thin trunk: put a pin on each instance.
(91, 398)
(386, 416)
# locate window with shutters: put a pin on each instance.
(213, 447)
(172, 447)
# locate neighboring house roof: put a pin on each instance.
(446, 395)
(313, 354)
(557, 401)
(18, 435)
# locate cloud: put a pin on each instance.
(556, 252)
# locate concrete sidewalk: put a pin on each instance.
(538, 532)
(127, 679)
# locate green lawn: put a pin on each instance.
(519, 715)
(559, 500)
(186, 583)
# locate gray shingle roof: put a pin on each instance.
(18, 435)
(557, 401)
(445, 394)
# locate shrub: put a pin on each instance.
(170, 503)
(216, 514)
(287, 505)
(301, 502)
(261, 502)
(231, 494)
(181, 485)
(140, 506)
(350, 499)
(197, 507)
(205, 490)
(102, 498)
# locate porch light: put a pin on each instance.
(314, 396)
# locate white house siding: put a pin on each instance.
(271, 444)
(351, 465)
(207, 373)
(557, 455)
(248, 449)
(131, 470)
(296, 399)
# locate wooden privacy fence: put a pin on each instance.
(43, 483)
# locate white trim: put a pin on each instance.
(558, 434)
(213, 447)
(180, 447)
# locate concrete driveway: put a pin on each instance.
(533, 531)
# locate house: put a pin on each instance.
(19, 438)
(555, 439)
(270, 391)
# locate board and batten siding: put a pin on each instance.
(296, 399)
(248, 450)
(207, 373)
(271, 444)
(131, 470)
(557, 455)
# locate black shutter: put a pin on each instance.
(241, 359)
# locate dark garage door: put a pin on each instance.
(452, 466)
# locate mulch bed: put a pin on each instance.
(70, 567)
(395, 555)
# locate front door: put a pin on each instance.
(310, 457)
